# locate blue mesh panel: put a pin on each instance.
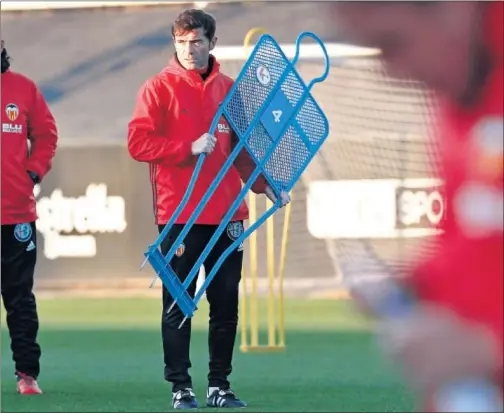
(250, 94)
(259, 143)
(287, 160)
(286, 154)
(293, 88)
(311, 121)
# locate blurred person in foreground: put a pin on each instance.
(173, 113)
(456, 48)
(25, 118)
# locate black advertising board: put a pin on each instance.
(95, 215)
(96, 221)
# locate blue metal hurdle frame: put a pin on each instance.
(160, 263)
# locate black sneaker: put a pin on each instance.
(184, 400)
(224, 398)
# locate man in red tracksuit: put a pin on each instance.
(456, 48)
(25, 117)
(173, 113)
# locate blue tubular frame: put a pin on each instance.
(177, 289)
(322, 77)
(276, 206)
(215, 236)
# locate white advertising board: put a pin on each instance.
(374, 208)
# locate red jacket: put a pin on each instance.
(467, 272)
(25, 116)
(173, 109)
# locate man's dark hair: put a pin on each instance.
(5, 60)
(193, 19)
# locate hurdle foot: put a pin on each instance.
(143, 263)
(262, 348)
(171, 307)
(153, 282)
(182, 323)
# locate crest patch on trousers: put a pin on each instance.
(234, 230)
(180, 250)
(22, 232)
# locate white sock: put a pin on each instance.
(211, 390)
(174, 393)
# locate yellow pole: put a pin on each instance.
(254, 316)
(281, 276)
(250, 34)
(270, 251)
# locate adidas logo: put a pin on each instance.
(31, 246)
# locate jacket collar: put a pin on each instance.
(174, 66)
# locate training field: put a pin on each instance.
(103, 355)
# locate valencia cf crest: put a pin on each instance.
(12, 111)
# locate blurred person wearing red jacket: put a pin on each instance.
(456, 48)
(168, 130)
(25, 117)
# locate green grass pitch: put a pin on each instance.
(104, 355)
